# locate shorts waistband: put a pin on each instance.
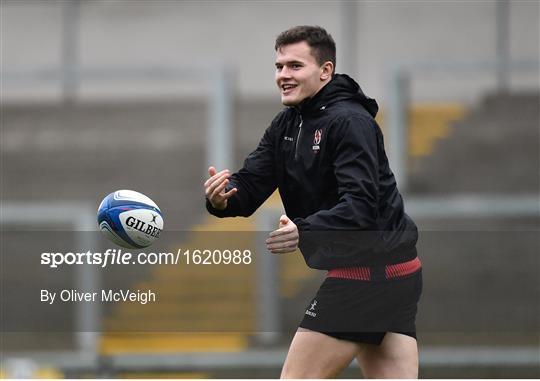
(397, 270)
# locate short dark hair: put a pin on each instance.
(322, 45)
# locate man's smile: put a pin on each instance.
(287, 88)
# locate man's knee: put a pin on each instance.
(396, 357)
(315, 355)
(287, 373)
(304, 369)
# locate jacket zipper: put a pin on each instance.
(298, 138)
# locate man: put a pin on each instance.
(325, 154)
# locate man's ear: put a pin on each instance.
(327, 70)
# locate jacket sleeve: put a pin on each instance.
(354, 154)
(255, 181)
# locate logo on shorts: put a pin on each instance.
(311, 309)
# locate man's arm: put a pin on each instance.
(214, 188)
(241, 193)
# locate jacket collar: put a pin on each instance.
(341, 87)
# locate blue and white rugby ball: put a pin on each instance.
(130, 219)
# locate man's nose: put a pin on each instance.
(284, 73)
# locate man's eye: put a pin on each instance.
(296, 66)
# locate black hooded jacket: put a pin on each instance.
(327, 159)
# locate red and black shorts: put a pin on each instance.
(361, 304)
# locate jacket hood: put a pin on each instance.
(341, 87)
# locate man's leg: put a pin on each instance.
(396, 357)
(315, 355)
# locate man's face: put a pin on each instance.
(298, 75)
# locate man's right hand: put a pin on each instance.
(214, 188)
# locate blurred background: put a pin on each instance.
(104, 95)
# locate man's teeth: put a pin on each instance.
(287, 87)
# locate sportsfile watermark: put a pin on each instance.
(202, 281)
(121, 257)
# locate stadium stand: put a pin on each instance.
(494, 149)
(84, 151)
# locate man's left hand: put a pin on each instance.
(284, 239)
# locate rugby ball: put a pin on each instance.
(130, 219)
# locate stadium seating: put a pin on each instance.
(85, 151)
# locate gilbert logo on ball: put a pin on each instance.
(130, 219)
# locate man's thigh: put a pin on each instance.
(315, 355)
(396, 357)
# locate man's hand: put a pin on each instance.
(214, 188)
(284, 239)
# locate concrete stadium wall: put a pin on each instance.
(242, 33)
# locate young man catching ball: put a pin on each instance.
(325, 153)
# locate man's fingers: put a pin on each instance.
(230, 193)
(209, 189)
(218, 185)
(283, 238)
(215, 185)
(214, 177)
(285, 245)
(284, 230)
(217, 191)
(225, 196)
(283, 250)
(211, 172)
(286, 249)
(218, 180)
(218, 195)
(283, 241)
